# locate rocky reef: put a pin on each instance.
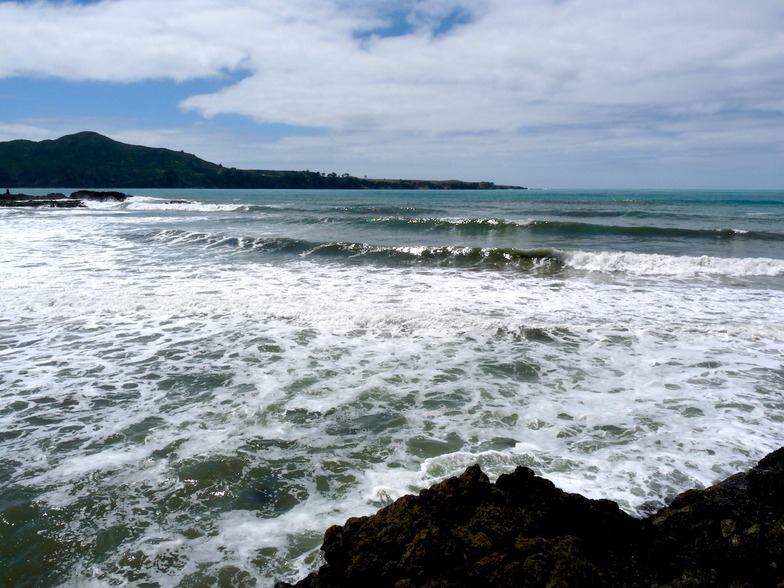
(523, 531)
(59, 200)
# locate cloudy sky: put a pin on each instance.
(542, 93)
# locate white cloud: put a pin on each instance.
(519, 64)
(580, 76)
(133, 40)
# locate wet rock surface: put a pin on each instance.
(523, 531)
(58, 199)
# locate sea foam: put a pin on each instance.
(185, 404)
(669, 265)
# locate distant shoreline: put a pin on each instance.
(92, 161)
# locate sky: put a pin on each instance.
(538, 93)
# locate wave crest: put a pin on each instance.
(669, 265)
(544, 260)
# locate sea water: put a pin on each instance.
(194, 385)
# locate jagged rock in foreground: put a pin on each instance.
(523, 531)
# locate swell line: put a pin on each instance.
(540, 260)
(646, 231)
(543, 261)
(569, 229)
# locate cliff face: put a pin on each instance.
(523, 531)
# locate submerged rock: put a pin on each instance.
(523, 531)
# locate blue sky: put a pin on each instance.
(543, 93)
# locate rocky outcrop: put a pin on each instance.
(53, 200)
(523, 531)
(731, 534)
(59, 200)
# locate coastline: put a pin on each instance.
(90, 160)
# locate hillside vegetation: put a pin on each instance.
(90, 160)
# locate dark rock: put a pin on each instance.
(109, 196)
(731, 534)
(523, 531)
(52, 200)
(59, 200)
(8, 196)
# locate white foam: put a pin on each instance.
(138, 203)
(668, 265)
(330, 389)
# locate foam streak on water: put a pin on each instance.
(186, 411)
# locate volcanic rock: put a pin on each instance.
(523, 531)
(52, 200)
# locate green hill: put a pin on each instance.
(90, 160)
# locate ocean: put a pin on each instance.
(196, 384)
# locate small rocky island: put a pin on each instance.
(523, 531)
(60, 200)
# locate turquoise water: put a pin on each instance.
(192, 392)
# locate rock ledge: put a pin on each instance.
(523, 531)
(58, 199)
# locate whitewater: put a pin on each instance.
(194, 385)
